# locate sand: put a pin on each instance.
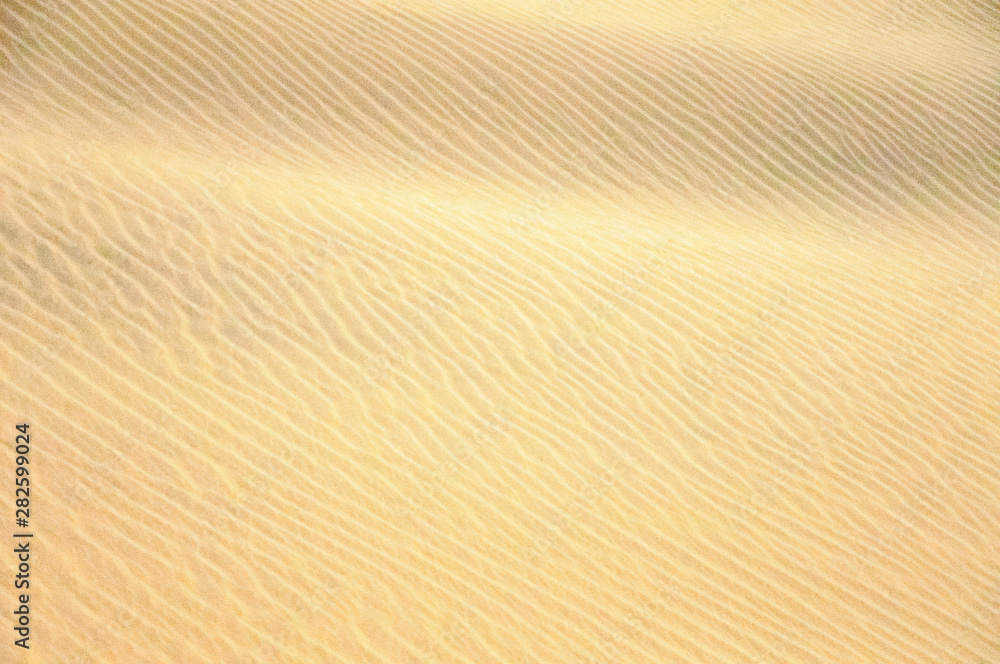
(552, 331)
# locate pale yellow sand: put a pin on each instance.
(523, 332)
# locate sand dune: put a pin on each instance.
(554, 331)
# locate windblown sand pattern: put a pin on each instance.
(534, 332)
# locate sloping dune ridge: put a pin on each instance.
(549, 331)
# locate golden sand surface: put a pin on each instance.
(555, 331)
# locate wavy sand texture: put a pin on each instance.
(529, 332)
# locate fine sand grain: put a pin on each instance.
(559, 331)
